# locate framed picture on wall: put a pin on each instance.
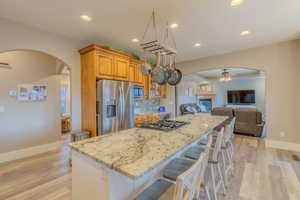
(32, 92)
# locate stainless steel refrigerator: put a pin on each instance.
(115, 109)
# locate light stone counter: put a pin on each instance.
(135, 151)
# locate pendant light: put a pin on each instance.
(225, 76)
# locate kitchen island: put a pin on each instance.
(119, 165)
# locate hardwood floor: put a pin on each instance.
(260, 174)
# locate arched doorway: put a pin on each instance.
(239, 88)
(33, 119)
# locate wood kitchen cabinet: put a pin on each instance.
(98, 62)
(156, 91)
(137, 78)
(121, 68)
(105, 65)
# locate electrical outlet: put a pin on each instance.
(282, 134)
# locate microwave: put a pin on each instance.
(138, 91)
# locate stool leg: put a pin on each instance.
(225, 167)
(207, 193)
(221, 179)
(232, 155)
(213, 179)
(230, 161)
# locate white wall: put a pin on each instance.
(27, 124)
(281, 62)
(245, 83)
(15, 37)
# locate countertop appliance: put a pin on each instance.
(165, 125)
(115, 109)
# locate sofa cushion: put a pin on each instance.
(222, 111)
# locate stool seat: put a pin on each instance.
(177, 167)
(159, 190)
(204, 141)
(194, 152)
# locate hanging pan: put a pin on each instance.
(175, 74)
(160, 74)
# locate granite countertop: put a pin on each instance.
(135, 151)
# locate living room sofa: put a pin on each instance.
(248, 120)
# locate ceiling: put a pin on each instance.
(234, 72)
(213, 23)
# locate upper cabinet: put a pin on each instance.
(105, 65)
(121, 68)
(137, 78)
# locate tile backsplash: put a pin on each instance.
(146, 106)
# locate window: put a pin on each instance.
(63, 101)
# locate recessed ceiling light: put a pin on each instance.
(236, 2)
(174, 25)
(86, 18)
(197, 44)
(243, 33)
(135, 40)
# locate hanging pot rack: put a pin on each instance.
(155, 46)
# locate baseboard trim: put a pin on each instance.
(23, 153)
(283, 145)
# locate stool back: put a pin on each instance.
(229, 130)
(218, 145)
(189, 183)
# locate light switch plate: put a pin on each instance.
(12, 93)
(2, 109)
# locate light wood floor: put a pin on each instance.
(260, 174)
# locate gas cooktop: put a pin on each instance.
(165, 125)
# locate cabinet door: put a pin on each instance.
(139, 77)
(163, 91)
(121, 68)
(132, 72)
(105, 66)
(156, 91)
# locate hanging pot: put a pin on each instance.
(160, 74)
(175, 75)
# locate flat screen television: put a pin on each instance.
(241, 96)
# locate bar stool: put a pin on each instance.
(187, 184)
(228, 150)
(215, 160)
(180, 165)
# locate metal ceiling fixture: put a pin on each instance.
(225, 76)
(163, 72)
(5, 65)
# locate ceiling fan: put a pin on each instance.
(5, 65)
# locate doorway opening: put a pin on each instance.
(239, 92)
(33, 100)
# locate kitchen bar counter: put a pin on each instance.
(131, 156)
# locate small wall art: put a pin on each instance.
(32, 92)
